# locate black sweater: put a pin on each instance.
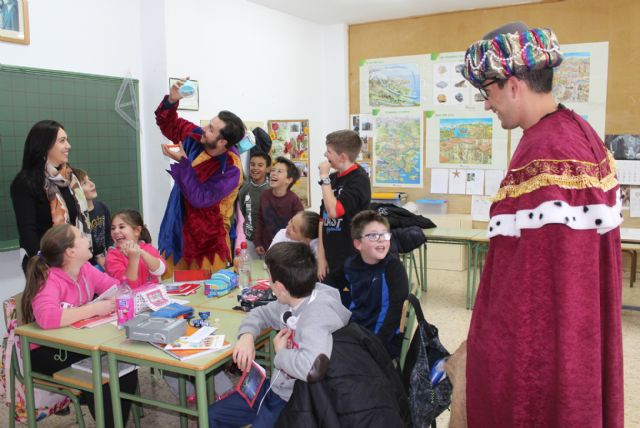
(33, 214)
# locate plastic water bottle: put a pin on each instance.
(236, 262)
(244, 268)
(124, 302)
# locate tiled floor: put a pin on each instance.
(445, 307)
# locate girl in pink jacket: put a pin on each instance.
(60, 281)
(60, 286)
(133, 256)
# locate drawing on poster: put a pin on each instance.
(397, 150)
(450, 88)
(290, 138)
(466, 141)
(571, 78)
(394, 85)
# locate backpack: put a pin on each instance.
(426, 401)
(259, 294)
(46, 403)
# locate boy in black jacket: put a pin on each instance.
(377, 280)
(345, 193)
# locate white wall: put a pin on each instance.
(73, 36)
(258, 63)
(262, 64)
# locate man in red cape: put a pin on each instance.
(545, 343)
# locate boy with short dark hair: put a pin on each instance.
(377, 280)
(345, 193)
(278, 204)
(306, 313)
(249, 200)
(99, 217)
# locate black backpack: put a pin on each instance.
(426, 402)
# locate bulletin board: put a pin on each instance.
(102, 142)
(573, 21)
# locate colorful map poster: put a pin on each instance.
(395, 82)
(397, 149)
(459, 139)
(582, 76)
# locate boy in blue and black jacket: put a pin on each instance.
(377, 280)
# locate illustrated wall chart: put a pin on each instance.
(458, 133)
(397, 149)
(290, 138)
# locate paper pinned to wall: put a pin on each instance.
(457, 181)
(480, 208)
(439, 180)
(492, 180)
(475, 182)
(628, 171)
(634, 202)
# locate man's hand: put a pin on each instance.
(324, 168)
(280, 341)
(245, 352)
(260, 251)
(174, 92)
(323, 268)
(172, 153)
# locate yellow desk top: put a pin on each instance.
(227, 324)
(452, 234)
(630, 234)
(84, 338)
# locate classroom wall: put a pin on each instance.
(294, 69)
(263, 64)
(574, 21)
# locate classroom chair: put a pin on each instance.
(11, 311)
(407, 323)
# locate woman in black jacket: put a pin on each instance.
(45, 191)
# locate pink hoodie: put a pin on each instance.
(116, 265)
(60, 291)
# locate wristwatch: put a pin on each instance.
(325, 180)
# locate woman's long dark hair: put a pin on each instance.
(52, 247)
(40, 139)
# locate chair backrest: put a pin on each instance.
(18, 302)
(407, 326)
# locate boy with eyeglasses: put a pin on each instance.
(377, 280)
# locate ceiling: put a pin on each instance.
(328, 12)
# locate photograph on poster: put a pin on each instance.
(623, 146)
(363, 125)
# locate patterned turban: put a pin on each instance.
(509, 51)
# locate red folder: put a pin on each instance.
(191, 275)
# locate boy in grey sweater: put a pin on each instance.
(306, 314)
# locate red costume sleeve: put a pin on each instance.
(171, 126)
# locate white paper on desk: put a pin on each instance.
(179, 301)
(492, 180)
(475, 182)
(634, 202)
(480, 208)
(457, 181)
(439, 180)
(628, 172)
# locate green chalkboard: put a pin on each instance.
(102, 142)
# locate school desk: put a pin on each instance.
(82, 341)
(144, 354)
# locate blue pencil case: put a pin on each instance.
(174, 310)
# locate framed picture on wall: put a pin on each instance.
(14, 21)
(191, 102)
(290, 138)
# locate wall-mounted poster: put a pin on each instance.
(448, 88)
(363, 125)
(397, 149)
(290, 138)
(14, 21)
(394, 82)
(459, 139)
